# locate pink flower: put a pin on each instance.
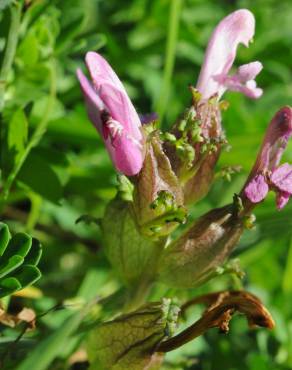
(237, 28)
(113, 114)
(267, 174)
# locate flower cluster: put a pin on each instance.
(165, 172)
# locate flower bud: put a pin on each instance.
(113, 114)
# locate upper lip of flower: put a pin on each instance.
(236, 28)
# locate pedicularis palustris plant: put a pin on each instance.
(162, 174)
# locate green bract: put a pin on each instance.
(132, 255)
(158, 198)
(196, 255)
(129, 341)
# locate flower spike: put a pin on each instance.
(237, 28)
(113, 114)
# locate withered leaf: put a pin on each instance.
(25, 315)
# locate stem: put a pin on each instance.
(36, 137)
(11, 45)
(173, 28)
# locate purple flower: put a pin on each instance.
(113, 114)
(267, 174)
(237, 28)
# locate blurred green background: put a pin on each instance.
(69, 174)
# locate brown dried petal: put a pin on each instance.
(222, 306)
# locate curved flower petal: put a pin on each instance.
(249, 71)
(269, 156)
(281, 178)
(257, 189)
(243, 81)
(237, 28)
(282, 199)
(101, 72)
(94, 104)
(274, 143)
(125, 152)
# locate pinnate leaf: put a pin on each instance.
(18, 259)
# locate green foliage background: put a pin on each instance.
(68, 172)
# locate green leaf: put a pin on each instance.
(19, 244)
(17, 135)
(8, 286)
(69, 32)
(27, 275)
(39, 176)
(34, 254)
(14, 273)
(92, 42)
(4, 237)
(10, 265)
(28, 51)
